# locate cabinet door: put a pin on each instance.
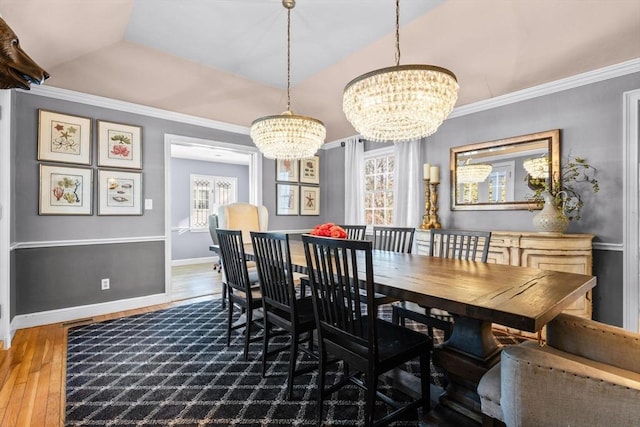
(569, 262)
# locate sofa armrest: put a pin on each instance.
(539, 388)
(596, 341)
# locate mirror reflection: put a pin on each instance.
(496, 175)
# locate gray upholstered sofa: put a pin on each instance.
(588, 374)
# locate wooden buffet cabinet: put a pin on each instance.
(560, 252)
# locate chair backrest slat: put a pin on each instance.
(460, 244)
(341, 278)
(234, 260)
(273, 261)
(393, 239)
(355, 232)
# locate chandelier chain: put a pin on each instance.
(288, 59)
(397, 32)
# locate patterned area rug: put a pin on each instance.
(173, 368)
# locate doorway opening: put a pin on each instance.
(201, 175)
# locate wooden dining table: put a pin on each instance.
(478, 295)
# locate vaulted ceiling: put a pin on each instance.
(226, 59)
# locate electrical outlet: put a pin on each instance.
(105, 284)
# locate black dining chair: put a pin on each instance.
(393, 239)
(240, 293)
(348, 328)
(355, 232)
(457, 244)
(282, 306)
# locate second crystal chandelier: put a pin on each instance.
(400, 103)
(287, 135)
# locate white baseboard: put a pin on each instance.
(189, 261)
(30, 320)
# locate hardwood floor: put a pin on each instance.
(33, 370)
(195, 280)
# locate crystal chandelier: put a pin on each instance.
(467, 174)
(537, 167)
(287, 135)
(400, 103)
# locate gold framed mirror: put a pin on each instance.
(496, 175)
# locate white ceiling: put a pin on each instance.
(226, 59)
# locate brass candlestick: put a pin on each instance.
(426, 218)
(434, 221)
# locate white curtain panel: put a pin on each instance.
(408, 184)
(353, 182)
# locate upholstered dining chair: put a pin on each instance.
(458, 244)
(349, 329)
(213, 225)
(355, 232)
(282, 306)
(246, 218)
(238, 280)
(587, 374)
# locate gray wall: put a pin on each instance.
(590, 120)
(186, 244)
(50, 278)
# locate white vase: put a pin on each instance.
(550, 219)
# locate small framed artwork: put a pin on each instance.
(65, 191)
(119, 145)
(287, 197)
(64, 138)
(309, 200)
(119, 193)
(287, 170)
(310, 170)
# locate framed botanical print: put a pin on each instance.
(65, 190)
(64, 138)
(287, 197)
(310, 170)
(287, 170)
(119, 145)
(309, 200)
(119, 192)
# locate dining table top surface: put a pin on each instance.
(519, 297)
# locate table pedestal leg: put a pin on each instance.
(470, 352)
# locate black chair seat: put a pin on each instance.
(305, 313)
(394, 342)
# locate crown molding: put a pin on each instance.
(595, 76)
(129, 107)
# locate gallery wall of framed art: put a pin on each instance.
(65, 140)
(298, 186)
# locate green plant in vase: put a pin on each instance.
(566, 187)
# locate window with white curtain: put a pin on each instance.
(378, 186)
(206, 194)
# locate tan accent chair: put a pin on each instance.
(588, 374)
(246, 218)
(243, 216)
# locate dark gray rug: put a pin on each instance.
(173, 368)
